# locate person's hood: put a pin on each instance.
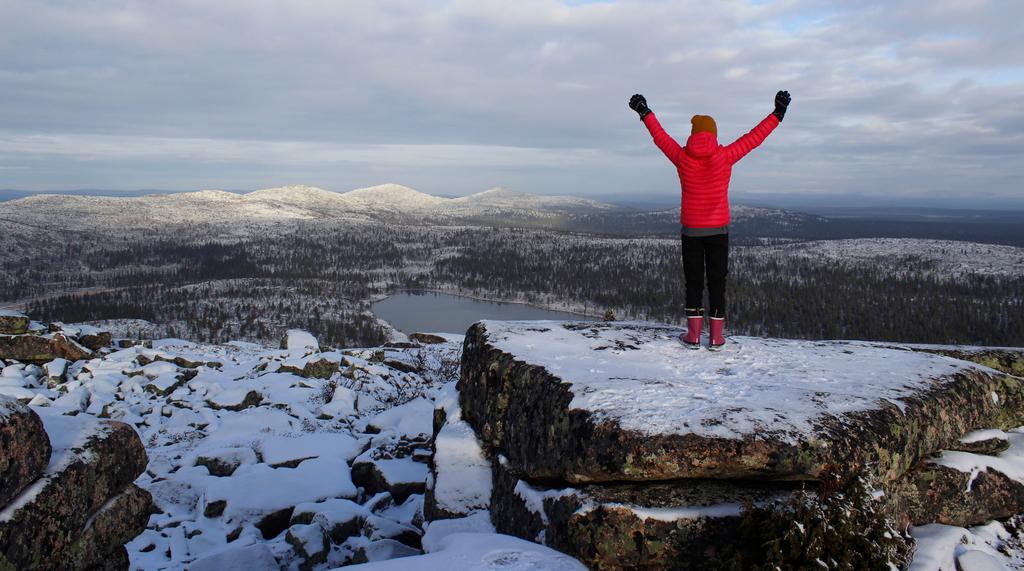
(701, 145)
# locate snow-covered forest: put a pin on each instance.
(323, 276)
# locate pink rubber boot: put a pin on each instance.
(717, 330)
(693, 328)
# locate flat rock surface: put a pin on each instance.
(610, 401)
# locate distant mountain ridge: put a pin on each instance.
(385, 203)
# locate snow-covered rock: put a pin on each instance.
(299, 341)
(586, 402)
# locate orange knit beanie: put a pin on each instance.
(704, 123)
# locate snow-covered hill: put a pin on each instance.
(390, 203)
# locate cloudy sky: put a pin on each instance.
(921, 100)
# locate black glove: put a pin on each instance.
(781, 103)
(639, 104)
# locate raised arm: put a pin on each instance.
(740, 147)
(663, 140)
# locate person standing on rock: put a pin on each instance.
(704, 169)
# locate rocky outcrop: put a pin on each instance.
(691, 523)
(24, 448)
(80, 511)
(610, 443)
(529, 412)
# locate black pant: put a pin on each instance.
(706, 255)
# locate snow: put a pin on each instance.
(297, 340)
(982, 435)
(411, 419)
(949, 548)
(727, 509)
(438, 530)
(254, 557)
(11, 313)
(343, 403)
(638, 375)
(463, 482)
(481, 552)
(254, 491)
(278, 449)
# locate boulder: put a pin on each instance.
(592, 402)
(115, 524)
(68, 348)
(225, 461)
(340, 518)
(427, 338)
(310, 542)
(963, 492)
(24, 448)
(13, 323)
(26, 348)
(96, 340)
(319, 369)
(235, 399)
(93, 462)
(300, 341)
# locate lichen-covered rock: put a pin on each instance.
(26, 348)
(39, 349)
(987, 446)
(619, 401)
(680, 525)
(24, 448)
(319, 369)
(13, 323)
(115, 524)
(92, 462)
(933, 493)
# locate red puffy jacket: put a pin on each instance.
(705, 168)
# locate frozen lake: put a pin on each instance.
(442, 313)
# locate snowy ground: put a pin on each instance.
(234, 433)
